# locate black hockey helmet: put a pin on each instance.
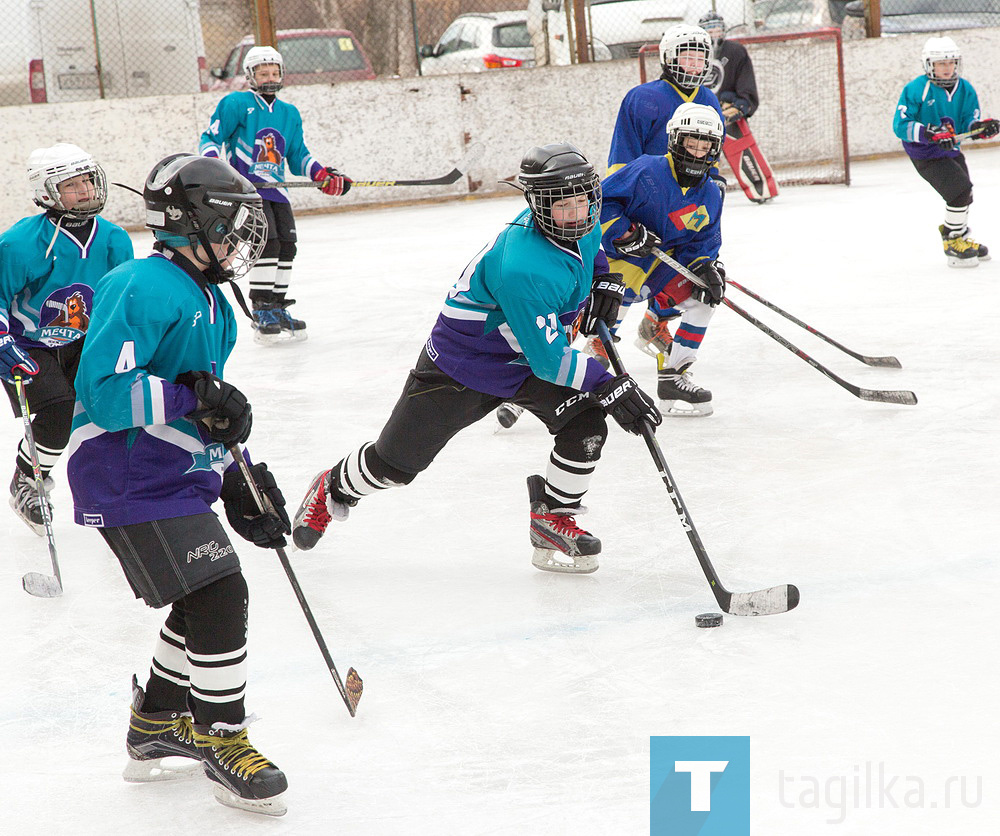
(713, 23)
(205, 201)
(555, 172)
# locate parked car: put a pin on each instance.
(899, 16)
(476, 42)
(312, 56)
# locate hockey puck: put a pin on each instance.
(709, 619)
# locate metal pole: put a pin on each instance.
(97, 50)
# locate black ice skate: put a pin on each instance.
(679, 394)
(560, 544)
(244, 778)
(27, 503)
(960, 250)
(153, 738)
(289, 325)
(507, 415)
(317, 508)
(266, 323)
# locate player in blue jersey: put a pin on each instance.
(258, 133)
(149, 457)
(50, 264)
(670, 202)
(641, 128)
(505, 334)
(932, 109)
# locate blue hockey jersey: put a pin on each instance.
(686, 220)
(48, 300)
(921, 104)
(257, 138)
(133, 457)
(509, 315)
(641, 127)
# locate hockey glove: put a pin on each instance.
(638, 242)
(985, 128)
(715, 282)
(332, 182)
(267, 529)
(624, 401)
(730, 112)
(15, 360)
(606, 294)
(941, 135)
(221, 407)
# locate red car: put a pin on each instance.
(312, 56)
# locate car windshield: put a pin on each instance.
(512, 35)
(320, 54)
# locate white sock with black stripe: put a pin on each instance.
(47, 457)
(956, 220)
(218, 677)
(170, 661)
(566, 481)
(354, 478)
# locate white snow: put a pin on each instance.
(503, 700)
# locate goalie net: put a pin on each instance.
(801, 124)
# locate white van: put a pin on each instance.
(53, 48)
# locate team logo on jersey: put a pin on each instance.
(689, 217)
(211, 458)
(64, 315)
(268, 152)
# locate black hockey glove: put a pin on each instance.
(265, 530)
(638, 242)
(221, 407)
(606, 294)
(942, 136)
(985, 128)
(715, 280)
(624, 401)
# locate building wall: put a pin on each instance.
(418, 127)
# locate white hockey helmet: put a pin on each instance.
(48, 167)
(941, 49)
(263, 55)
(683, 37)
(700, 122)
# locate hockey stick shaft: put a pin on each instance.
(763, 602)
(35, 583)
(886, 362)
(351, 693)
(897, 396)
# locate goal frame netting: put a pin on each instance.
(801, 124)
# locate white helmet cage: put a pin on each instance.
(48, 167)
(263, 55)
(941, 49)
(700, 122)
(683, 37)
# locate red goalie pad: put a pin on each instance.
(748, 162)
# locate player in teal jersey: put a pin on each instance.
(932, 109)
(150, 456)
(505, 334)
(50, 264)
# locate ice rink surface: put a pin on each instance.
(503, 700)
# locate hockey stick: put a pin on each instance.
(472, 156)
(35, 583)
(351, 693)
(897, 396)
(886, 362)
(776, 599)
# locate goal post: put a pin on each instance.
(801, 124)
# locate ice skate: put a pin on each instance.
(507, 415)
(316, 510)
(155, 741)
(290, 326)
(244, 778)
(27, 503)
(595, 348)
(654, 336)
(266, 323)
(679, 394)
(560, 544)
(960, 250)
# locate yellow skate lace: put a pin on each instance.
(236, 754)
(180, 724)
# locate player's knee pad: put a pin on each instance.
(272, 248)
(385, 473)
(583, 436)
(52, 424)
(287, 251)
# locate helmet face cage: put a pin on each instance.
(542, 196)
(699, 122)
(242, 235)
(942, 49)
(681, 39)
(257, 56)
(44, 181)
(713, 23)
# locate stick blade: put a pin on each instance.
(772, 601)
(41, 586)
(354, 686)
(883, 362)
(888, 396)
(471, 157)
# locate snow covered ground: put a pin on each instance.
(500, 699)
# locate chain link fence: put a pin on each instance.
(78, 50)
